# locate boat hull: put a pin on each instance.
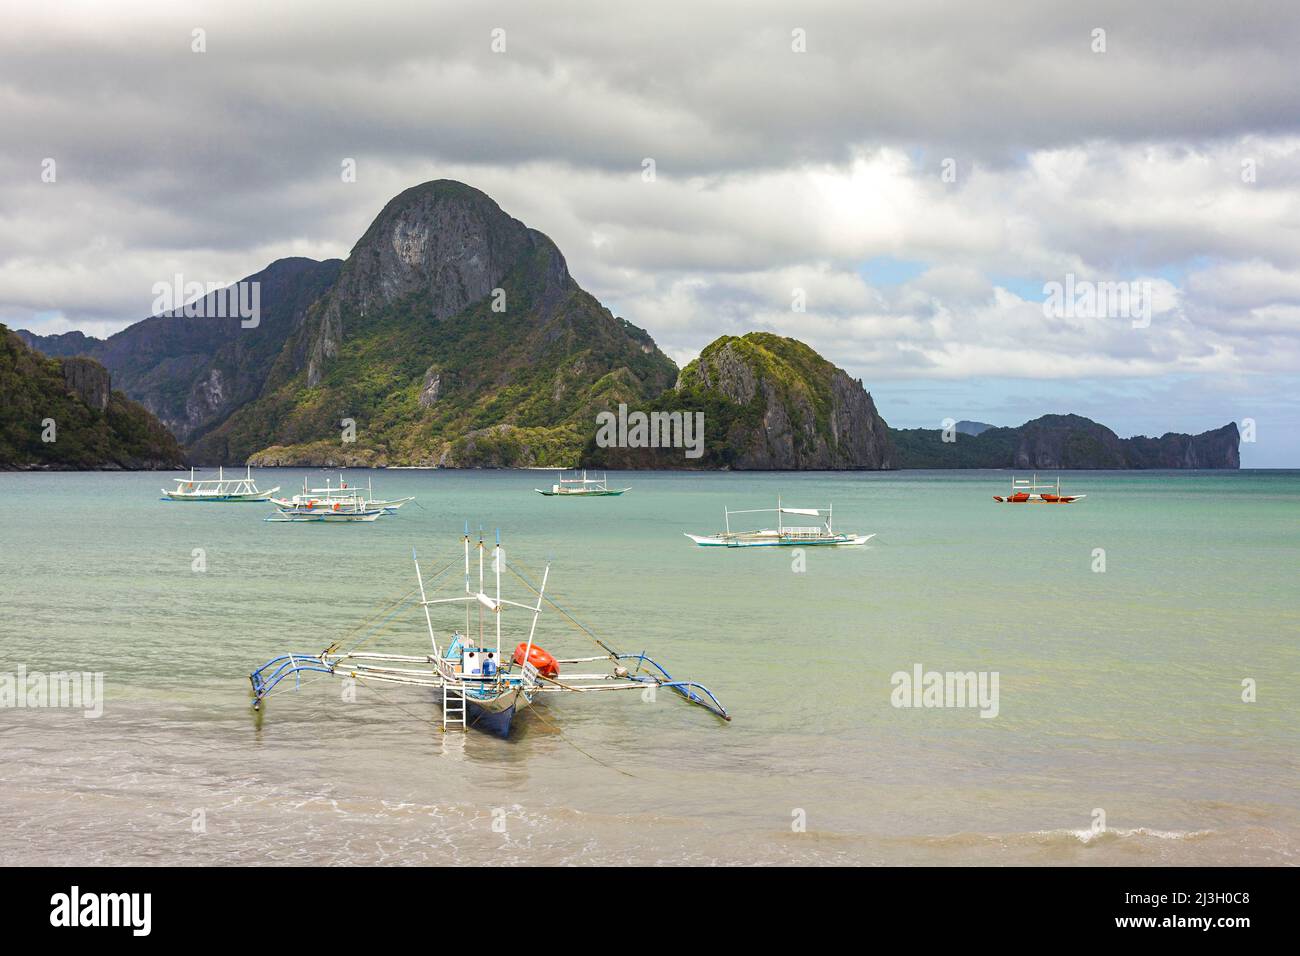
(496, 715)
(326, 516)
(220, 499)
(778, 541)
(1038, 499)
(581, 494)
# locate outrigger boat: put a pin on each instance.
(323, 499)
(583, 487)
(782, 535)
(343, 506)
(1029, 491)
(221, 488)
(478, 685)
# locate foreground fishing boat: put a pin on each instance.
(782, 535)
(221, 488)
(1030, 491)
(478, 681)
(583, 487)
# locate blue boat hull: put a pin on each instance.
(492, 721)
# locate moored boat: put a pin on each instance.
(478, 682)
(783, 535)
(583, 487)
(335, 503)
(219, 489)
(1031, 491)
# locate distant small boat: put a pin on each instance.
(343, 506)
(783, 535)
(219, 489)
(1029, 491)
(389, 505)
(333, 503)
(583, 487)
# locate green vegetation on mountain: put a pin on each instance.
(71, 401)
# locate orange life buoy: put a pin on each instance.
(336, 506)
(546, 665)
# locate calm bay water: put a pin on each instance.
(1118, 690)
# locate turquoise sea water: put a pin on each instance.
(1118, 691)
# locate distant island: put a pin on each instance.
(454, 336)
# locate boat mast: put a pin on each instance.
(496, 611)
(480, 587)
(467, 590)
(779, 525)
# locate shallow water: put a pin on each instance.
(1118, 691)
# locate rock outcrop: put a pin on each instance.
(769, 403)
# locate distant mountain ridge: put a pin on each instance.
(453, 335)
(193, 372)
(1066, 442)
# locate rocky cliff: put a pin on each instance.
(63, 414)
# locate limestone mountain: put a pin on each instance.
(769, 403)
(62, 413)
(453, 335)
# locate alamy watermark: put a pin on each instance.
(75, 908)
(213, 300)
(71, 689)
(651, 430)
(922, 688)
(1084, 299)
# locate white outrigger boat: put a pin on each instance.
(477, 683)
(221, 488)
(1031, 491)
(324, 499)
(343, 506)
(782, 535)
(583, 487)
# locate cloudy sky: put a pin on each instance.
(916, 172)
